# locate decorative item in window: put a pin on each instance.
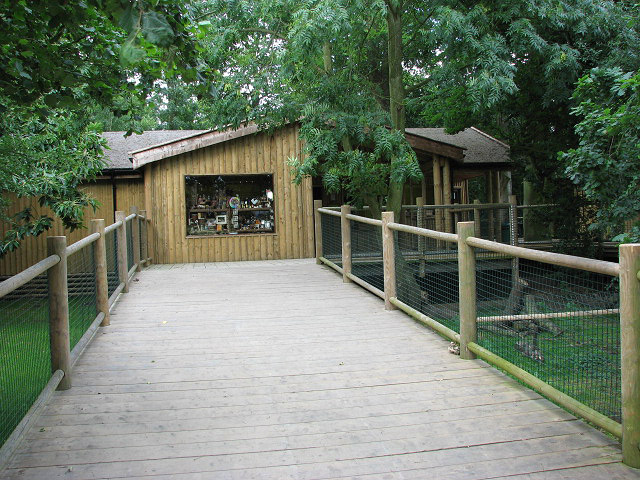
(229, 204)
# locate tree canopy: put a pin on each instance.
(546, 77)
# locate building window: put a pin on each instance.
(229, 204)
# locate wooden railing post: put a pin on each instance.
(144, 238)
(513, 220)
(467, 290)
(388, 261)
(317, 221)
(630, 352)
(346, 242)
(121, 232)
(135, 235)
(476, 220)
(59, 311)
(100, 260)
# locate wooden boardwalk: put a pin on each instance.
(278, 370)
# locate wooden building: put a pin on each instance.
(228, 195)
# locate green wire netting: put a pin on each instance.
(332, 238)
(561, 325)
(366, 253)
(25, 358)
(111, 245)
(81, 284)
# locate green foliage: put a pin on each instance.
(606, 163)
(59, 63)
(510, 68)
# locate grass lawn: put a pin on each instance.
(25, 366)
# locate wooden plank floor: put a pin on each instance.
(277, 370)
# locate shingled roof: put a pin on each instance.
(117, 156)
(480, 148)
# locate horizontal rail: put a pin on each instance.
(447, 237)
(580, 263)
(19, 279)
(548, 391)
(329, 212)
(547, 205)
(428, 321)
(15, 439)
(131, 217)
(546, 316)
(113, 226)
(115, 294)
(80, 244)
(329, 263)
(461, 206)
(365, 285)
(367, 220)
(86, 338)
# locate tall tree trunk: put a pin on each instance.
(395, 55)
(396, 92)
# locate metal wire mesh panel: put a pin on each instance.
(560, 325)
(332, 239)
(130, 245)
(81, 282)
(142, 228)
(366, 253)
(25, 355)
(494, 224)
(111, 246)
(427, 277)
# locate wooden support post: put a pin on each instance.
(513, 220)
(317, 217)
(447, 189)
(467, 290)
(421, 240)
(144, 238)
(59, 311)
(346, 242)
(499, 217)
(476, 220)
(491, 199)
(630, 352)
(135, 234)
(437, 190)
(388, 261)
(121, 235)
(100, 260)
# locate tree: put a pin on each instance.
(511, 68)
(606, 163)
(57, 57)
(334, 65)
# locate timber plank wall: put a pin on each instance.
(261, 153)
(129, 193)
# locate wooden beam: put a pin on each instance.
(121, 235)
(434, 147)
(189, 144)
(467, 290)
(100, 260)
(630, 352)
(346, 242)
(318, 229)
(59, 311)
(389, 260)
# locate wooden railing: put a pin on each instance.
(627, 271)
(57, 290)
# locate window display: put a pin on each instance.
(229, 204)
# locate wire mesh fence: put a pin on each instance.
(366, 253)
(81, 284)
(142, 228)
(559, 324)
(129, 231)
(332, 238)
(25, 358)
(111, 246)
(427, 277)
